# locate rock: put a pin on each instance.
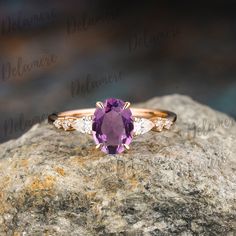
(177, 182)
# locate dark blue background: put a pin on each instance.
(133, 50)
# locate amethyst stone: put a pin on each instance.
(113, 126)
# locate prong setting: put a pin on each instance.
(127, 105)
(99, 105)
(98, 146)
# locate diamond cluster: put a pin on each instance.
(83, 124)
(63, 124)
(163, 123)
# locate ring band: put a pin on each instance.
(113, 124)
(150, 114)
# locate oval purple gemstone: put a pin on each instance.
(112, 126)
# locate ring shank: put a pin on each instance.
(150, 114)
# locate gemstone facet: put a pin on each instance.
(83, 125)
(142, 125)
(113, 126)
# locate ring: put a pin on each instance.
(113, 123)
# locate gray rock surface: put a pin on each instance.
(177, 182)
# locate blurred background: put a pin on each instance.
(60, 55)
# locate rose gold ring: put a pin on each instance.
(113, 123)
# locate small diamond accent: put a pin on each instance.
(63, 124)
(66, 124)
(163, 123)
(168, 124)
(57, 124)
(142, 125)
(83, 125)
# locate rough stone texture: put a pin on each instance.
(178, 182)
